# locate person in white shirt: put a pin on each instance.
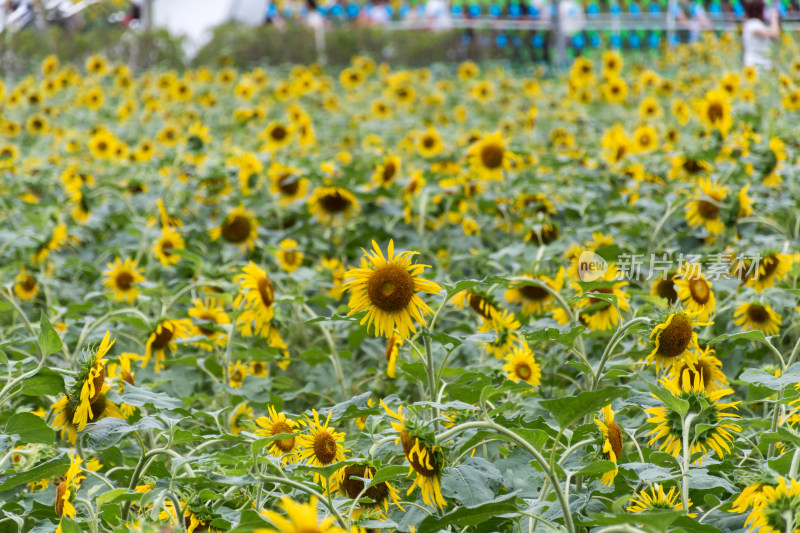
(757, 35)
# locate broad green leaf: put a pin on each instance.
(142, 396)
(571, 409)
(49, 469)
(742, 335)
(471, 516)
(388, 473)
(758, 377)
(49, 341)
(672, 402)
(783, 435)
(117, 495)
(31, 429)
(472, 482)
(566, 338)
(596, 468)
(44, 382)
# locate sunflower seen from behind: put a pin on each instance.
(612, 442)
(778, 510)
(387, 290)
(91, 379)
(673, 339)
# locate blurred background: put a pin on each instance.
(248, 33)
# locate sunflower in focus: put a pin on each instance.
(673, 340)
(164, 336)
(758, 317)
(239, 227)
(694, 291)
(488, 156)
(657, 500)
(704, 365)
(256, 296)
(424, 457)
(278, 424)
(522, 366)
(333, 205)
(705, 210)
(122, 277)
(612, 443)
(387, 289)
(708, 412)
(321, 446)
(778, 510)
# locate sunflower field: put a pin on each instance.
(462, 298)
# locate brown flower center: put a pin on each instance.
(492, 156)
(288, 184)
(98, 382)
(422, 455)
(236, 229)
(325, 447)
(60, 491)
(124, 280)
(715, 112)
(699, 290)
(334, 202)
(265, 291)
(278, 133)
(390, 288)
(531, 292)
(207, 317)
(707, 210)
(757, 313)
(675, 338)
(601, 290)
(389, 170)
(29, 283)
(770, 264)
(163, 337)
(428, 142)
(615, 438)
(666, 289)
(166, 246)
(390, 347)
(284, 445)
(523, 370)
(99, 407)
(480, 305)
(353, 487)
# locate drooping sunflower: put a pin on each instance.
(333, 205)
(488, 157)
(612, 442)
(121, 277)
(657, 500)
(673, 340)
(321, 446)
(392, 352)
(705, 210)
(289, 257)
(92, 379)
(705, 365)
(773, 268)
(380, 494)
(779, 509)
(424, 457)
(65, 493)
(386, 172)
(164, 336)
(209, 313)
(240, 227)
(759, 317)
(256, 295)
(522, 366)
(387, 289)
(302, 518)
(694, 292)
(708, 412)
(533, 298)
(751, 497)
(169, 240)
(26, 287)
(478, 302)
(278, 424)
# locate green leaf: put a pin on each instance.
(3, 358)
(758, 377)
(68, 526)
(259, 444)
(49, 341)
(31, 429)
(571, 409)
(566, 338)
(142, 396)
(742, 335)
(672, 402)
(44, 382)
(388, 473)
(597, 468)
(470, 516)
(49, 469)
(783, 435)
(118, 495)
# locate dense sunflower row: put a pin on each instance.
(306, 301)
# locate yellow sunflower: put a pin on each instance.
(488, 156)
(169, 241)
(207, 316)
(612, 443)
(66, 490)
(321, 446)
(121, 277)
(302, 518)
(380, 493)
(429, 143)
(287, 183)
(704, 365)
(759, 317)
(706, 211)
(392, 352)
(277, 424)
(242, 414)
(657, 500)
(715, 111)
(708, 413)
(26, 288)
(256, 297)
(424, 458)
(521, 365)
(778, 508)
(694, 292)
(535, 299)
(277, 135)
(386, 172)
(237, 371)
(57, 239)
(600, 314)
(92, 384)
(333, 205)
(164, 336)
(772, 269)
(240, 227)
(289, 257)
(673, 341)
(387, 289)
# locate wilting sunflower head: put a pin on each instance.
(706, 412)
(672, 340)
(380, 494)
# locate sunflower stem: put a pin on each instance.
(686, 425)
(776, 412)
(615, 340)
(570, 526)
(431, 379)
